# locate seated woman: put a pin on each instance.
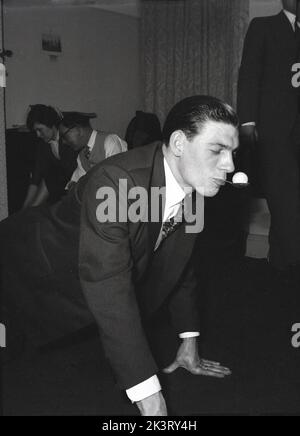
(55, 162)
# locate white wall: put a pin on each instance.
(260, 8)
(98, 70)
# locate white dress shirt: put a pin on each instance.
(174, 196)
(291, 17)
(112, 145)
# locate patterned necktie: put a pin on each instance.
(87, 152)
(169, 226)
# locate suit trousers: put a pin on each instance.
(280, 166)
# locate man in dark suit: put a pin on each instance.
(268, 108)
(134, 256)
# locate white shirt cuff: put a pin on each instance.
(189, 335)
(251, 123)
(143, 390)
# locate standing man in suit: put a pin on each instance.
(93, 146)
(134, 256)
(269, 111)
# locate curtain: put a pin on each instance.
(190, 47)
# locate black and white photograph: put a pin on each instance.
(150, 210)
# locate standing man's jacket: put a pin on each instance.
(265, 92)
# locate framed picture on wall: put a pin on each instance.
(51, 43)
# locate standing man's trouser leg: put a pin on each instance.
(281, 180)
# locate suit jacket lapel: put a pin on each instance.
(285, 28)
(284, 22)
(165, 270)
(156, 208)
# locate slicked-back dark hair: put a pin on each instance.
(190, 114)
(42, 114)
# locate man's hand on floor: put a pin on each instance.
(188, 358)
(154, 405)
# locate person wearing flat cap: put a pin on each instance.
(93, 146)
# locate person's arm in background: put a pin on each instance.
(36, 195)
(249, 83)
(37, 191)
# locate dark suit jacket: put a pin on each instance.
(265, 91)
(123, 280)
(118, 267)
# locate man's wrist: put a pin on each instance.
(190, 340)
(154, 405)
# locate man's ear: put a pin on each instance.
(177, 142)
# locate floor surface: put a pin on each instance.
(247, 316)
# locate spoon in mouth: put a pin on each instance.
(239, 180)
(238, 185)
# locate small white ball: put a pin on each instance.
(240, 178)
